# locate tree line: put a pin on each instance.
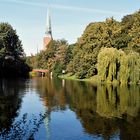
(12, 57)
(109, 51)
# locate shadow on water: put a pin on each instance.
(104, 111)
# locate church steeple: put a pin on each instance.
(48, 26)
(48, 31)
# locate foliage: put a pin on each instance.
(54, 58)
(10, 41)
(131, 24)
(96, 36)
(111, 34)
(58, 67)
(89, 57)
(115, 65)
(12, 57)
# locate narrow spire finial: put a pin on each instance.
(48, 28)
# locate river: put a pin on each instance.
(54, 109)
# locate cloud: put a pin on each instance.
(25, 3)
(64, 7)
(85, 10)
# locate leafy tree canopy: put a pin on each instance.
(12, 57)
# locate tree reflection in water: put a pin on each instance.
(102, 110)
(25, 128)
(11, 93)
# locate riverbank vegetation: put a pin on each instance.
(12, 57)
(108, 51)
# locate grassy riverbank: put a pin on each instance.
(95, 79)
(68, 76)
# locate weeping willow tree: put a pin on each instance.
(134, 67)
(115, 65)
(108, 64)
(123, 73)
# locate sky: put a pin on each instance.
(69, 17)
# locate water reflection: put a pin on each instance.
(10, 101)
(23, 128)
(13, 127)
(52, 93)
(104, 111)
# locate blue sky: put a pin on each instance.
(69, 17)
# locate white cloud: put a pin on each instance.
(24, 2)
(64, 7)
(88, 10)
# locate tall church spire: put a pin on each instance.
(48, 31)
(48, 27)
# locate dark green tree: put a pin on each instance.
(10, 41)
(12, 57)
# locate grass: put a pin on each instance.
(32, 74)
(69, 76)
(94, 80)
(36, 74)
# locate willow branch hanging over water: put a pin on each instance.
(115, 65)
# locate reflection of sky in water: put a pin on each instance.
(32, 105)
(52, 110)
(62, 124)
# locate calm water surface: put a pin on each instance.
(45, 109)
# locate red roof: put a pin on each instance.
(40, 70)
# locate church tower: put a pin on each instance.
(48, 32)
